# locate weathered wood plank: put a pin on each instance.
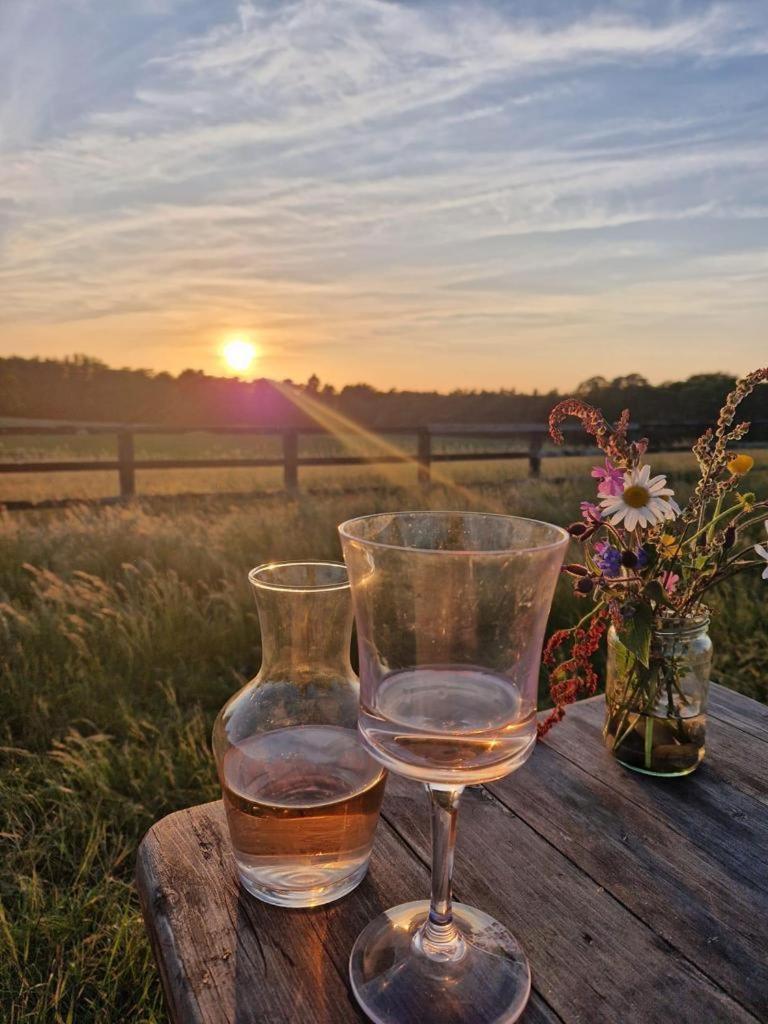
(737, 757)
(226, 958)
(638, 901)
(717, 921)
(734, 757)
(719, 816)
(736, 739)
(747, 715)
(593, 960)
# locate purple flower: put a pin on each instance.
(611, 480)
(591, 512)
(642, 558)
(607, 558)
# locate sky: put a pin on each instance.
(416, 194)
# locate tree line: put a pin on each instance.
(84, 389)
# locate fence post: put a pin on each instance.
(534, 455)
(125, 458)
(424, 455)
(290, 460)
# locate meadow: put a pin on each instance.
(123, 629)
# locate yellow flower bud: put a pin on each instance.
(740, 464)
(670, 546)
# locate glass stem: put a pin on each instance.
(439, 938)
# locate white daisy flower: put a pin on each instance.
(763, 552)
(645, 501)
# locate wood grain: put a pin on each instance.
(226, 958)
(638, 901)
(593, 960)
(680, 891)
(749, 716)
(708, 808)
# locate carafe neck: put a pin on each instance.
(305, 634)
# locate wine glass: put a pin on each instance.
(451, 609)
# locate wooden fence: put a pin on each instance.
(125, 464)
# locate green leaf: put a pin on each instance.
(655, 592)
(652, 553)
(636, 634)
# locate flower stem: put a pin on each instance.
(588, 616)
(709, 528)
(619, 735)
(715, 517)
(648, 741)
(759, 518)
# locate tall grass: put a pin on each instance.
(122, 631)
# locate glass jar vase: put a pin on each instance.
(301, 794)
(656, 715)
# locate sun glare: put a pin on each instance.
(239, 354)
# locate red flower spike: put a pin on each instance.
(610, 439)
(575, 676)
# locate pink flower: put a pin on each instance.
(591, 512)
(669, 581)
(611, 480)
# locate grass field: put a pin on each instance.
(122, 631)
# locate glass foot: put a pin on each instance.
(396, 982)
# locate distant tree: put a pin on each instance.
(358, 391)
(632, 380)
(90, 362)
(592, 384)
(83, 388)
(707, 379)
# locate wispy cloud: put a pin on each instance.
(350, 176)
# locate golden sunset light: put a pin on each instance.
(239, 354)
(450, 319)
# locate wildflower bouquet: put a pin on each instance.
(646, 566)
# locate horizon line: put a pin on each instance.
(82, 358)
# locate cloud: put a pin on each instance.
(337, 171)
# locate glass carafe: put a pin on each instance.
(302, 796)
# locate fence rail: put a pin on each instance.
(126, 464)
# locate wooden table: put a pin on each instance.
(637, 900)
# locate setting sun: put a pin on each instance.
(239, 354)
